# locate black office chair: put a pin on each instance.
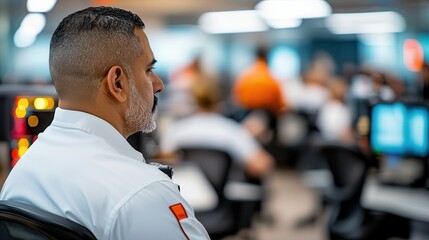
(299, 138)
(347, 219)
(215, 165)
(19, 221)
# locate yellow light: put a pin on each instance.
(23, 142)
(33, 121)
(22, 150)
(23, 103)
(40, 103)
(363, 125)
(51, 103)
(20, 112)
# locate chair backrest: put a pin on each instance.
(214, 163)
(349, 168)
(347, 165)
(24, 221)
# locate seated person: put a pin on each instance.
(81, 167)
(334, 119)
(207, 128)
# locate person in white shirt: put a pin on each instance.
(334, 119)
(208, 128)
(81, 167)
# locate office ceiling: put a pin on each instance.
(171, 12)
(196, 7)
(162, 13)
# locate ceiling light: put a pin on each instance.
(232, 22)
(368, 22)
(293, 8)
(284, 23)
(21, 39)
(31, 25)
(40, 6)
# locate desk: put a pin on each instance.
(411, 203)
(195, 187)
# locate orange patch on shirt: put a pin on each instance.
(179, 211)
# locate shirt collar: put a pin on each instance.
(95, 126)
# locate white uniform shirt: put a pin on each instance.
(210, 130)
(312, 98)
(333, 120)
(81, 168)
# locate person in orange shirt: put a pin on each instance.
(256, 88)
(260, 96)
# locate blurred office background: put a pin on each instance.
(359, 53)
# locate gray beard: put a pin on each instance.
(138, 117)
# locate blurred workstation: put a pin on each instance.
(283, 119)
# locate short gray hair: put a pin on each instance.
(87, 43)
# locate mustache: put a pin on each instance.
(155, 103)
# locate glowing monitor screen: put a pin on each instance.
(388, 128)
(418, 131)
(400, 129)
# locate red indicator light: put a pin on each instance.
(15, 157)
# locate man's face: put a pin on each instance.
(144, 83)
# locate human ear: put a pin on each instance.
(116, 83)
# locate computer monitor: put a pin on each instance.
(418, 130)
(400, 129)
